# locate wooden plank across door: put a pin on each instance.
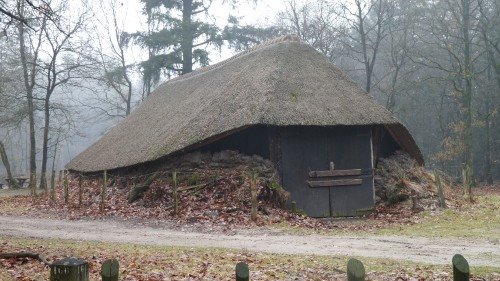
(335, 173)
(331, 183)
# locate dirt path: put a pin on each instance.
(418, 249)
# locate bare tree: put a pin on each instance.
(12, 105)
(488, 27)
(33, 12)
(314, 23)
(29, 58)
(396, 50)
(5, 161)
(63, 59)
(112, 67)
(366, 22)
(449, 37)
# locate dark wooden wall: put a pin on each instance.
(305, 149)
(297, 150)
(384, 144)
(250, 141)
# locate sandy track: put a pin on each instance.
(418, 249)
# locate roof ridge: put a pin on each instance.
(284, 38)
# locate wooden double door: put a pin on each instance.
(328, 170)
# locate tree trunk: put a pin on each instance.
(29, 84)
(391, 101)
(53, 174)
(487, 168)
(489, 112)
(121, 46)
(187, 37)
(53, 186)
(45, 148)
(147, 79)
(467, 94)
(5, 161)
(129, 97)
(362, 34)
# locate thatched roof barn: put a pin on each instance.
(273, 100)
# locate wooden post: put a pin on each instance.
(33, 185)
(59, 180)
(69, 269)
(66, 188)
(174, 192)
(355, 270)
(103, 191)
(53, 187)
(294, 207)
(439, 187)
(242, 272)
(110, 270)
(469, 182)
(460, 268)
(253, 192)
(80, 189)
(464, 180)
(414, 200)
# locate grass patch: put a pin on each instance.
(139, 262)
(13, 192)
(10, 203)
(478, 220)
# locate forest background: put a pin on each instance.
(71, 70)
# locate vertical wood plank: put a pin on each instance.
(439, 187)
(103, 191)
(66, 187)
(80, 189)
(175, 194)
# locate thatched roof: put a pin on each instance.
(283, 82)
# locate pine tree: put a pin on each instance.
(179, 32)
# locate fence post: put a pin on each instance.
(103, 191)
(242, 272)
(470, 182)
(439, 186)
(66, 187)
(53, 187)
(253, 193)
(460, 268)
(59, 179)
(110, 270)
(80, 189)
(464, 180)
(355, 270)
(174, 191)
(294, 207)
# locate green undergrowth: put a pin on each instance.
(478, 220)
(181, 263)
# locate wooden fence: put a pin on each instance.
(71, 269)
(140, 187)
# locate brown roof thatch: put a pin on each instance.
(282, 82)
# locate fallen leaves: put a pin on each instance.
(221, 206)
